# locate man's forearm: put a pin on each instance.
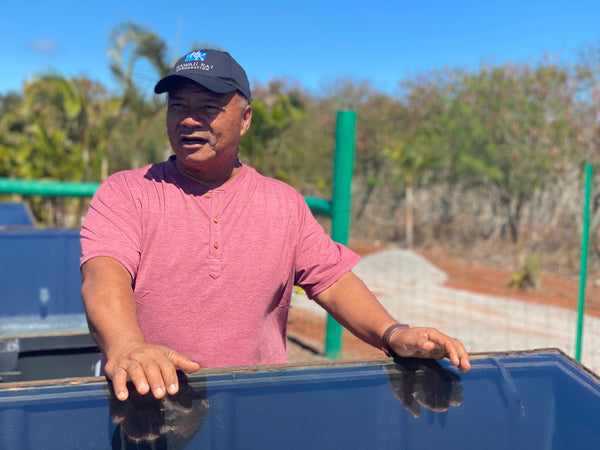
(352, 304)
(109, 304)
(111, 311)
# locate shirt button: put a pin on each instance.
(216, 245)
(216, 220)
(207, 195)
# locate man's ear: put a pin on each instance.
(246, 119)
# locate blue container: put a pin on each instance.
(529, 400)
(15, 214)
(43, 329)
(39, 272)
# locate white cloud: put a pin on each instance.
(44, 46)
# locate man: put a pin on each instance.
(191, 263)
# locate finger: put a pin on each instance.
(169, 374)
(154, 375)
(183, 362)
(459, 356)
(446, 344)
(463, 357)
(137, 375)
(119, 382)
(453, 349)
(452, 353)
(177, 361)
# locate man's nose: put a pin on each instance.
(193, 121)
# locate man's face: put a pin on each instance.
(205, 128)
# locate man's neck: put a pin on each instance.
(210, 181)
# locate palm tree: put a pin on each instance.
(65, 124)
(14, 148)
(131, 46)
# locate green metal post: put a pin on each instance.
(340, 209)
(584, 252)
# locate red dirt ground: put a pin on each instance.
(555, 290)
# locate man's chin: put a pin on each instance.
(194, 155)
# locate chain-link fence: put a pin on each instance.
(415, 291)
(532, 304)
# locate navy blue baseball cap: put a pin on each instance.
(215, 70)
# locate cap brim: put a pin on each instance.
(212, 84)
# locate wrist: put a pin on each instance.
(387, 336)
(115, 348)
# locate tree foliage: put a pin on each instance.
(504, 136)
(502, 130)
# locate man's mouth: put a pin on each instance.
(191, 140)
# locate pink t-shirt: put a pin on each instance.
(213, 269)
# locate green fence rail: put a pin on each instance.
(83, 189)
(47, 188)
(338, 208)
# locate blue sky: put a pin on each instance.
(310, 42)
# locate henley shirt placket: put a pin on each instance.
(215, 249)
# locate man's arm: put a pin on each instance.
(353, 305)
(110, 307)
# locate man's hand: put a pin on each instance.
(429, 343)
(148, 367)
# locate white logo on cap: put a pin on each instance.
(196, 56)
(193, 66)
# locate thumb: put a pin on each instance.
(184, 363)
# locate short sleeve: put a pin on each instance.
(112, 226)
(320, 261)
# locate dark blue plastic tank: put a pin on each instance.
(528, 400)
(43, 330)
(39, 272)
(16, 214)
